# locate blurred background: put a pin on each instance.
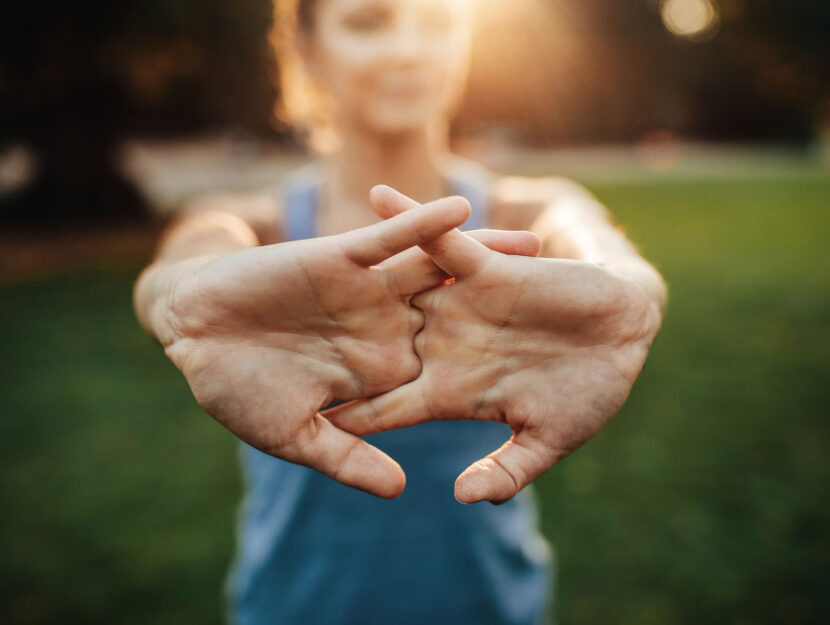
(704, 125)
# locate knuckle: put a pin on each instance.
(416, 321)
(410, 367)
(343, 464)
(424, 301)
(376, 422)
(420, 343)
(393, 365)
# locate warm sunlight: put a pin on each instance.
(691, 19)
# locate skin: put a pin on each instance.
(390, 66)
(393, 71)
(550, 347)
(266, 336)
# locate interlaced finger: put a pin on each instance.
(455, 253)
(414, 271)
(400, 408)
(373, 244)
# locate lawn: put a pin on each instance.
(704, 501)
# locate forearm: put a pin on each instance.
(580, 228)
(185, 245)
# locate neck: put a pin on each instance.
(408, 162)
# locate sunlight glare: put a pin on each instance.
(690, 19)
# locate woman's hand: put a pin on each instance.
(268, 336)
(551, 347)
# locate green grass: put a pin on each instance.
(704, 501)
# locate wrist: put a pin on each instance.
(190, 242)
(647, 280)
(154, 291)
(205, 232)
(646, 276)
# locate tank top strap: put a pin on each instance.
(301, 196)
(471, 181)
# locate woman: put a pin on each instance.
(271, 336)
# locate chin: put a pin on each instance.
(403, 120)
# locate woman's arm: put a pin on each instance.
(572, 223)
(207, 227)
(267, 335)
(550, 346)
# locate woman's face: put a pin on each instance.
(390, 66)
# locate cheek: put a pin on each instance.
(454, 82)
(450, 80)
(349, 78)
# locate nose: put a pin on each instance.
(408, 41)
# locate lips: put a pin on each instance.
(403, 87)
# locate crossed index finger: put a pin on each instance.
(373, 244)
(455, 253)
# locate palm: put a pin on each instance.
(550, 347)
(341, 324)
(269, 336)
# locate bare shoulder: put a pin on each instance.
(517, 201)
(261, 209)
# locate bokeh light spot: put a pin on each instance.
(690, 19)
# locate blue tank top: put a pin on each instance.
(312, 551)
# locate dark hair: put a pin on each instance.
(305, 14)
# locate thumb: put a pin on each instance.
(402, 407)
(348, 459)
(502, 474)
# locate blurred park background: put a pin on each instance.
(704, 125)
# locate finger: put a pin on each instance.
(348, 459)
(454, 252)
(388, 202)
(403, 407)
(502, 474)
(370, 245)
(515, 242)
(413, 271)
